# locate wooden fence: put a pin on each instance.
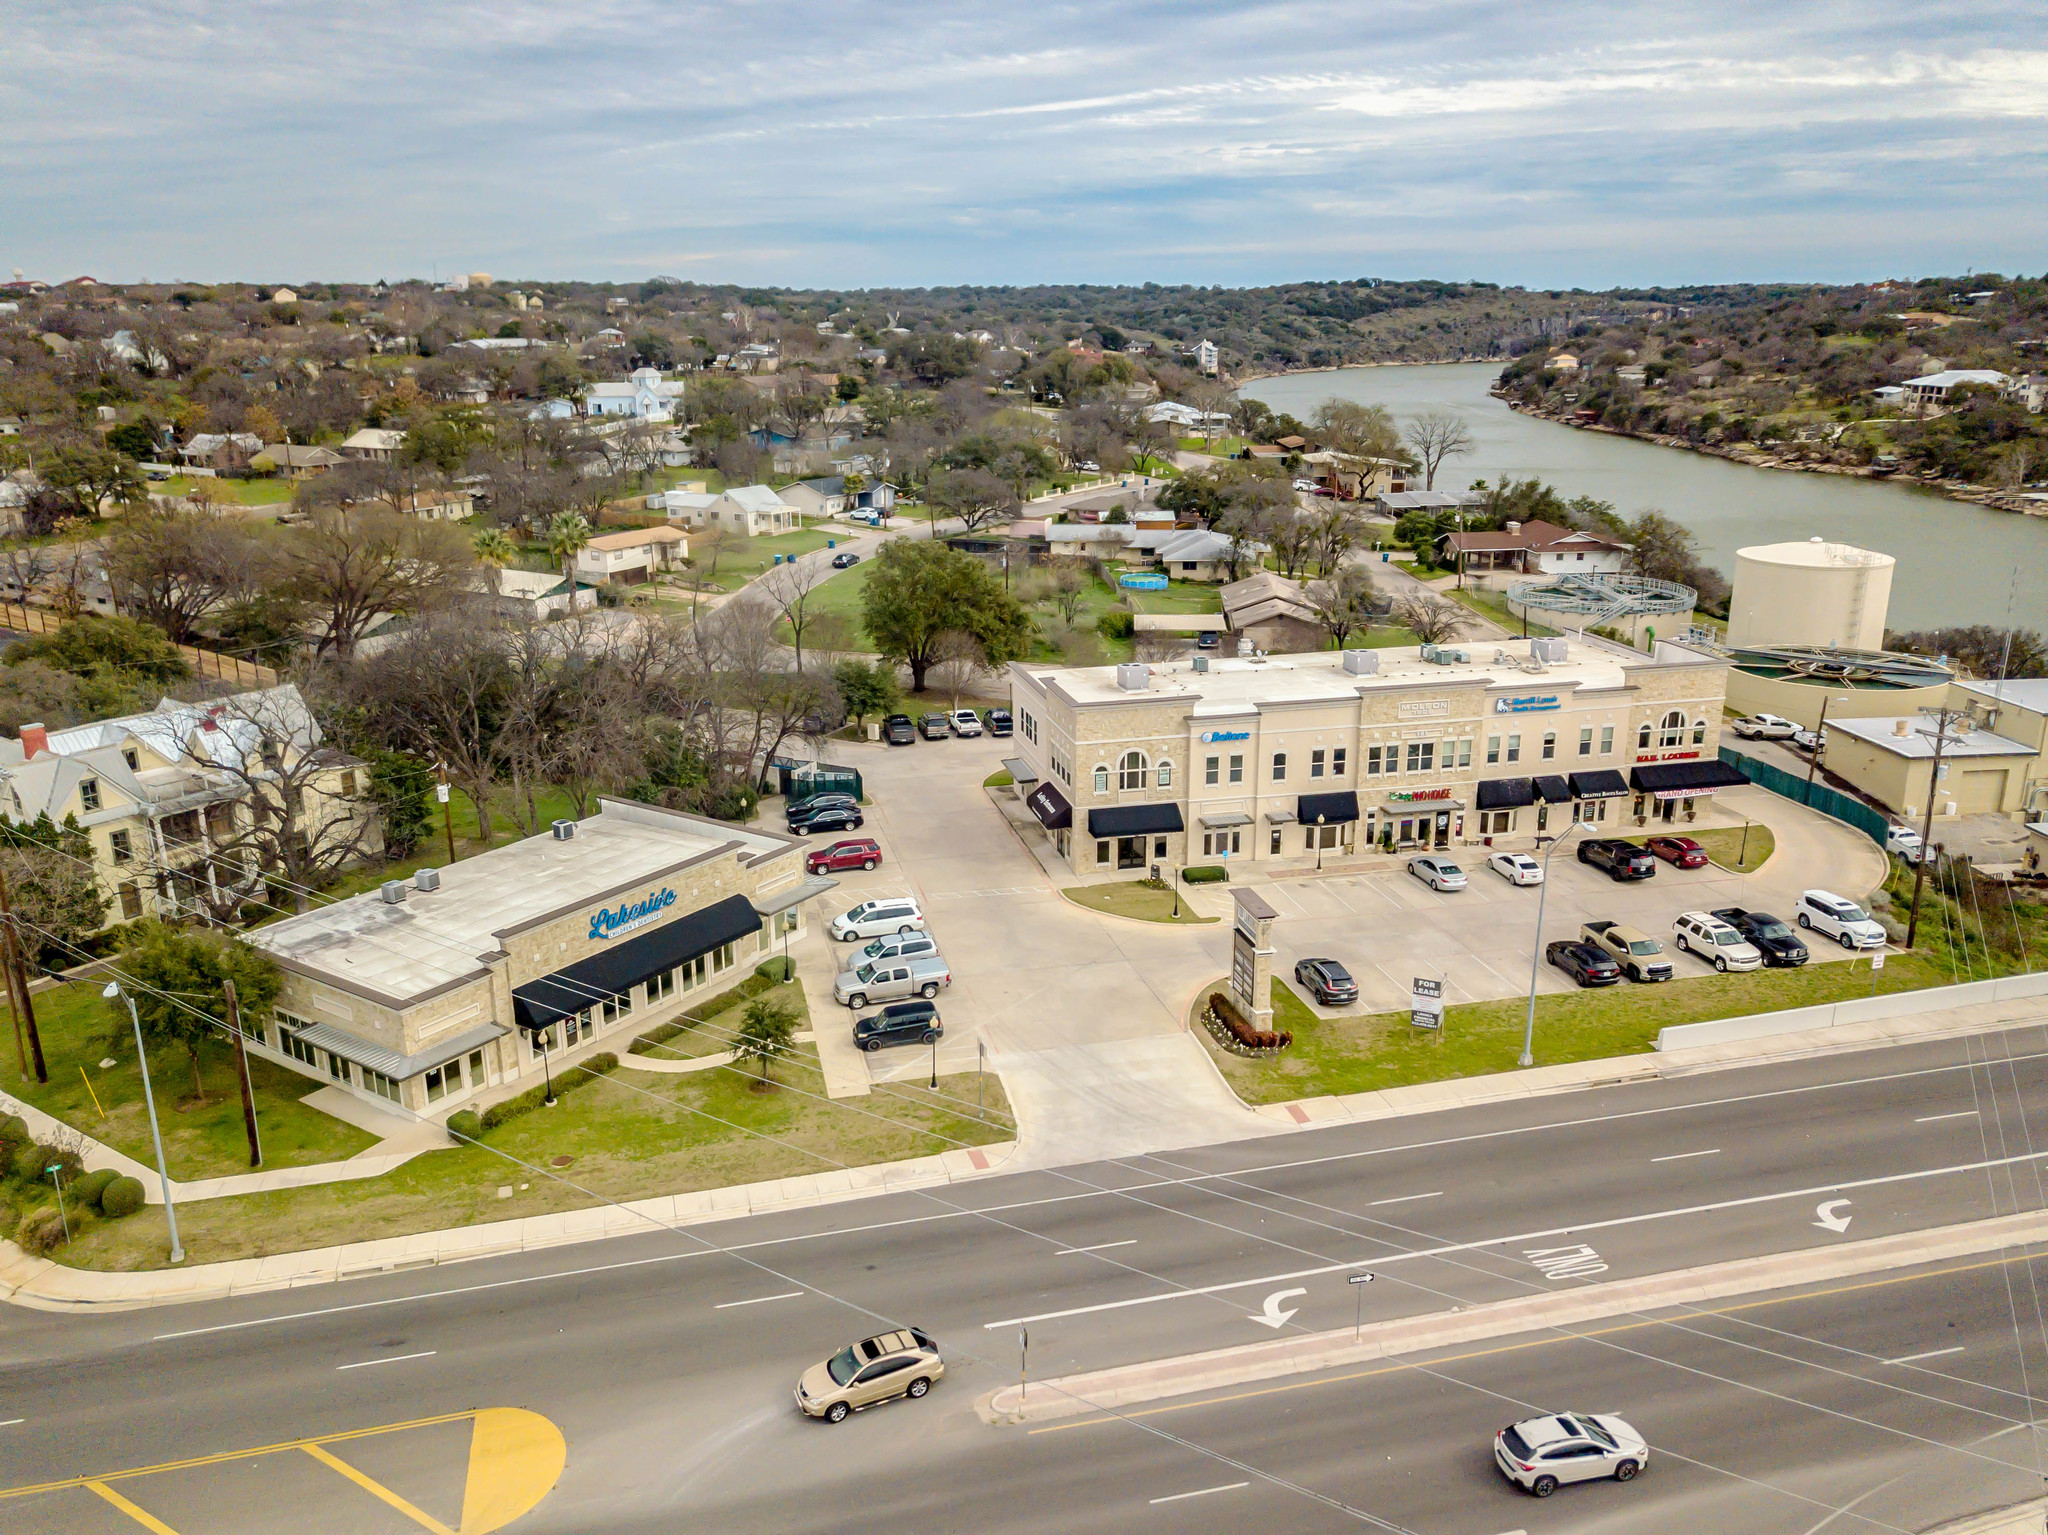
(204, 663)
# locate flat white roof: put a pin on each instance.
(1918, 741)
(2021, 692)
(410, 949)
(1239, 685)
(1814, 552)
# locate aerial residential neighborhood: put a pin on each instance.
(843, 770)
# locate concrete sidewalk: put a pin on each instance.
(1561, 1310)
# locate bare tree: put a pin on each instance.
(1213, 398)
(1430, 618)
(1337, 529)
(354, 565)
(789, 589)
(443, 693)
(173, 567)
(975, 496)
(960, 663)
(1158, 645)
(1365, 431)
(1068, 581)
(1435, 436)
(1345, 602)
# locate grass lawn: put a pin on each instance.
(1000, 779)
(741, 561)
(1492, 605)
(1352, 1055)
(1136, 898)
(840, 597)
(1179, 597)
(1728, 846)
(241, 492)
(1222, 447)
(628, 1135)
(80, 1029)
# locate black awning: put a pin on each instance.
(1600, 783)
(1133, 820)
(1672, 777)
(619, 967)
(1051, 807)
(1328, 808)
(1551, 787)
(1505, 794)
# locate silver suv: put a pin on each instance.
(896, 946)
(884, 980)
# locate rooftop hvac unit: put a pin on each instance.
(426, 879)
(565, 831)
(1443, 655)
(1362, 663)
(1201, 663)
(1133, 676)
(394, 892)
(1554, 652)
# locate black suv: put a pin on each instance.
(900, 1023)
(897, 730)
(816, 804)
(1330, 981)
(1775, 940)
(999, 722)
(1622, 860)
(1583, 963)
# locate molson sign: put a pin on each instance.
(609, 924)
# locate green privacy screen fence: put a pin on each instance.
(1818, 795)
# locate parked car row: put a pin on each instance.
(1622, 861)
(902, 730)
(900, 960)
(1730, 938)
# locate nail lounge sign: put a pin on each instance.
(625, 918)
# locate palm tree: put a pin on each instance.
(494, 546)
(568, 533)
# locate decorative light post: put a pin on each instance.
(114, 989)
(1319, 844)
(1536, 952)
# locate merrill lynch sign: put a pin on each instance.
(609, 924)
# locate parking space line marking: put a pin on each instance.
(1201, 1492)
(10, 1422)
(1928, 1119)
(1938, 1353)
(377, 1490)
(1068, 1252)
(1681, 1156)
(760, 1300)
(141, 1516)
(1404, 1198)
(364, 1364)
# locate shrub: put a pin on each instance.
(90, 1186)
(565, 1082)
(13, 1136)
(1206, 874)
(1225, 1012)
(1116, 624)
(466, 1124)
(122, 1197)
(767, 975)
(41, 1233)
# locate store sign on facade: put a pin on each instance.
(609, 924)
(1526, 703)
(1417, 796)
(1211, 737)
(1421, 708)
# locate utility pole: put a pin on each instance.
(1820, 736)
(242, 1070)
(447, 816)
(1942, 719)
(17, 981)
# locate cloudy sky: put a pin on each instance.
(1548, 143)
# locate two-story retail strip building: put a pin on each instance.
(430, 992)
(1283, 757)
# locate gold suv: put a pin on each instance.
(877, 1369)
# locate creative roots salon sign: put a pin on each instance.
(609, 924)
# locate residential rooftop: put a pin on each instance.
(408, 949)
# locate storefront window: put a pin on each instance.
(1274, 847)
(1102, 854)
(1672, 730)
(1131, 772)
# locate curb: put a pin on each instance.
(1125, 1385)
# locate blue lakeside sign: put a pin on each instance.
(609, 924)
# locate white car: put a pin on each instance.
(1437, 872)
(1766, 727)
(1707, 936)
(871, 919)
(965, 722)
(1844, 921)
(1306, 485)
(1541, 1454)
(1516, 868)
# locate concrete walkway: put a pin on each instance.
(683, 1065)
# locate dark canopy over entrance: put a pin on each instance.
(1133, 820)
(618, 967)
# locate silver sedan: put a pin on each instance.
(1437, 872)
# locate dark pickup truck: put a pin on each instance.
(1622, 860)
(1775, 940)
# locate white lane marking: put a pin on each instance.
(1295, 1164)
(1938, 1353)
(1273, 1316)
(1446, 1250)
(10, 1422)
(1201, 1492)
(364, 1364)
(1068, 1252)
(1928, 1119)
(760, 1300)
(1829, 1220)
(1680, 1156)
(1402, 1199)
(1576, 1262)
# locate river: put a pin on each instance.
(1957, 562)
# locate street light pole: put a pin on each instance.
(1536, 951)
(114, 989)
(1319, 844)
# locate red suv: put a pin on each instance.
(1680, 851)
(856, 853)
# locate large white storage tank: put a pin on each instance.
(1815, 593)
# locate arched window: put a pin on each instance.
(1672, 731)
(1699, 732)
(1165, 775)
(1643, 737)
(1102, 780)
(1131, 772)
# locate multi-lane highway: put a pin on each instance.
(666, 1360)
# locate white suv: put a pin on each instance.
(871, 919)
(1844, 921)
(1709, 938)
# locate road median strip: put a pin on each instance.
(1124, 1386)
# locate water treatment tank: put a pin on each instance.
(1812, 593)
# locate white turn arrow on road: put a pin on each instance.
(1829, 1221)
(1274, 1317)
